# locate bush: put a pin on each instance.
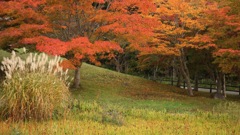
(33, 89)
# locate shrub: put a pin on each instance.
(35, 88)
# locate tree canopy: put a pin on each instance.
(158, 31)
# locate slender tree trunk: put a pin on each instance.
(224, 86)
(189, 86)
(155, 73)
(118, 68)
(125, 63)
(196, 81)
(118, 64)
(179, 77)
(219, 83)
(126, 67)
(185, 72)
(174, 73)
(76, 82)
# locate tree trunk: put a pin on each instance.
(185, 71)
(224, 86)
(179, 77)
(118, 64)
(76, 82)
(219, 84)
(126, 67)
(196, 81)
(126, 64)
(189, 86)
(155, 73)
(118, 68)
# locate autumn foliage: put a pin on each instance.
(81, 30)
(75, 50)
(34, 21)
(20, 20)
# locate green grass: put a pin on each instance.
(4, 54)
(113, 103)
(108, 87)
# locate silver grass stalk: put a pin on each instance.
(33, 63)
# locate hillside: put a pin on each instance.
(108, 86)
(114, 103)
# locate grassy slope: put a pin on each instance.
(115, 103)
(111, 87)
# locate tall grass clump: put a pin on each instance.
(34, 89)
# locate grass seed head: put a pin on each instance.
(34, 88)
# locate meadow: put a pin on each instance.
(111, 103)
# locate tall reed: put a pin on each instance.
(35, 88)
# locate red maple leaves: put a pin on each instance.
(80, 47)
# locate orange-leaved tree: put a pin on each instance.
(126, 20)
(75, 27)
(224, 27)
(131, 23)
(57, 28)
(181, 28)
